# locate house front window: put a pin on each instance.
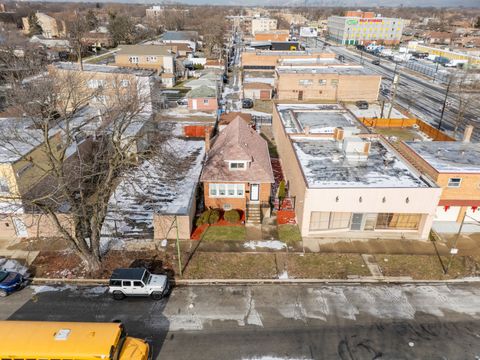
(133, 59)
(205, 101)
(226, 190)
(237, 166)
(454, 182)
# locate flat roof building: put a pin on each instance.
(347, 182)
(326, 82)
(358, 27)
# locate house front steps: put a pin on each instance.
(254, 213)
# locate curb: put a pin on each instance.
(206, 282)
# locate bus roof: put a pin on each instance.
(72, 340)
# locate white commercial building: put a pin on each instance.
(263, 24)
(364, 29)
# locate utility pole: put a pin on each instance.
(396, 78)
(444, 103)
(454, 249)
(178, 249)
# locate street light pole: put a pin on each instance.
(444, 104)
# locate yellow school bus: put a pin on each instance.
(38, 340)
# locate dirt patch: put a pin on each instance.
(55, 264)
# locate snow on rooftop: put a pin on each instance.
(164, 184)
(18, 137)
(104, 68)
(319, 118)
(324, 165)
(449, 156)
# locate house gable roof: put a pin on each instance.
(202, 92)
(238, 142)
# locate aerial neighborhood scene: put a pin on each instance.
(279, 180)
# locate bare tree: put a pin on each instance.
(84, 151)
(465, 95)
(77, 29)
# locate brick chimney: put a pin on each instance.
(467, 134)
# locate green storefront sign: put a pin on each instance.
(352, 22)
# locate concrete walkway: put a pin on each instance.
(372, 265)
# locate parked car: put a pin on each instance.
(362, 104)
(182, 102)
(247, 103)
(138, 282)
(376, 62)
(10, 282)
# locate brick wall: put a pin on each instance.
(236, 203)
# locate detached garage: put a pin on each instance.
(257, 90)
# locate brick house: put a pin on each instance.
(202, 98)
(257, 90)
(455, 167)
(238, 173)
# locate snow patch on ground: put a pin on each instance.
(270, 244)
(283, 276)
(38, 289)
(97, 290)
(14, 266)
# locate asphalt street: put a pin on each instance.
(279, 321)
(422, 97)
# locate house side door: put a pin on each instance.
(20, 227)
(300, 95)
(194, 104)
(254, 192)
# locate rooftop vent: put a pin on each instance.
(356, 149)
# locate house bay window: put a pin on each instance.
(226, 190)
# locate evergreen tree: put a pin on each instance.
(34, 25)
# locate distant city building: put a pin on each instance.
(263, 24)
(154, 12)
(51, 28)
(358, 27)
(274, 35)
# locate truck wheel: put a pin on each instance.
(3, 293)
(156, 295)
(118, 295)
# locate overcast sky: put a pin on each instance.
(346, 3)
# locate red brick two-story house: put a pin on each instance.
(238, 173)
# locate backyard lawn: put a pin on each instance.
(220, 233)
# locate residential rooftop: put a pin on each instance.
(179, 35)
(449, 156)
(325, 165)
(324, 69)
(103, 69)
(159, 50)
(319, 118)
(162, 185)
